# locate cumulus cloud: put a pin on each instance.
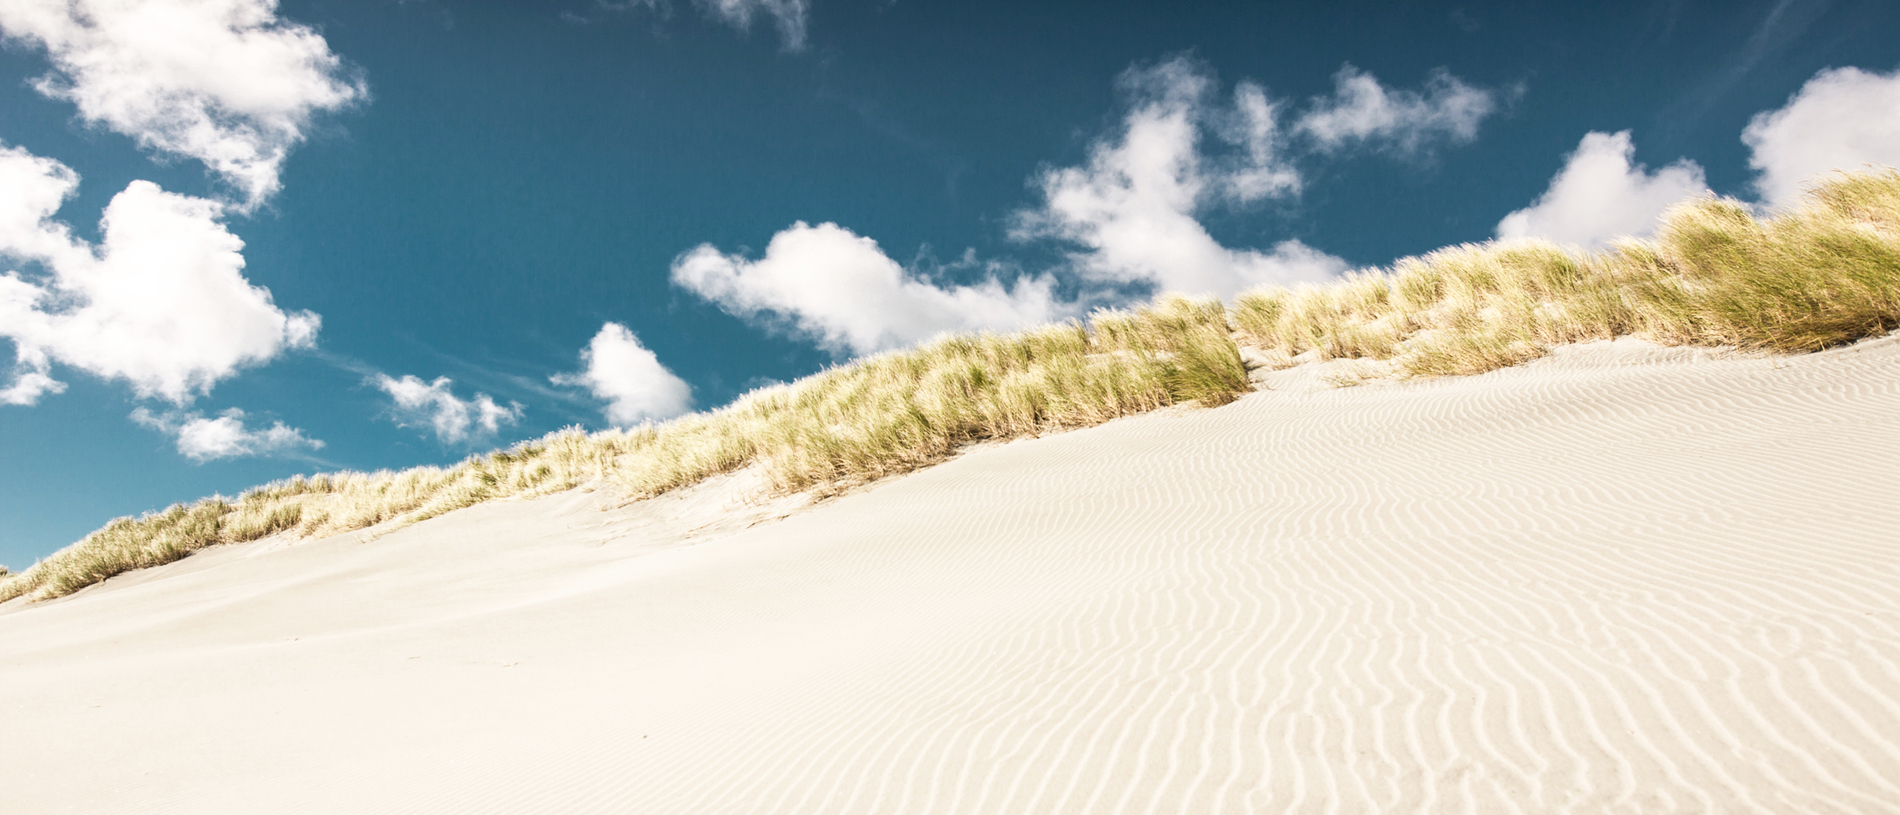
(434, 405)
(1132, 207)
(225, 82)
(161, 303)
(630, 378)
(1131, 214)
(1362, 110)
(1841, 119)
(842, 291)
(226, 436)
(1600, 195)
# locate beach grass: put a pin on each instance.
(854, 423)
(1820, 275)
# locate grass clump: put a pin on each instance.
(896, 412)
(1822, 274)
(854, 423)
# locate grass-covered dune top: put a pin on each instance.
(1823, 274)
(1820, 275)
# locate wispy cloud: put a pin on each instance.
(434, 405)
(1780, 27)
(1361, 111)
(1601, 195)
(161, 302)
(790, 17)
(226, 436)
(225, 82)
(629, 378)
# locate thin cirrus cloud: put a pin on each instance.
(434, 405)
(629, 378)
(161, 303)
(789, 16)
(1601, 195)
(225, 82)
(1841, 119)
(841, 291)
(203, 439)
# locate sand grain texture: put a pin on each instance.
(1621, 579)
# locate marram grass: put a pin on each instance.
(1823, 274)
(1817, 276)
(875, 417)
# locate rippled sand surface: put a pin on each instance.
(1623, 579)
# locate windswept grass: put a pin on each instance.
(1823, 274)
(859, 422)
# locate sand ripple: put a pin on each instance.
(1619, 580)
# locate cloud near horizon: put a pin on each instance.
(840, 290)
(226, 436)
(161, 302)
(1840, 119)
(225, 82)
(629, 378)
(435, 406)
(1134, 207)
(1132, 210)
(1601, 195)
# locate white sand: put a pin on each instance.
(1624, 579)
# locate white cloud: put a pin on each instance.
(1362, 110)
(1131, 212)
(844, 292)
(161, 303)
(225, 82)
(435, 406)
(1841, 119)
(226, 436)
(1600, 195)
(789, 15)
(630, 378)
(1132, 207)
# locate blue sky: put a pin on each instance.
(244, 240)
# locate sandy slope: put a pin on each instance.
(1621, 580)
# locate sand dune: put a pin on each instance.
(1621, 579)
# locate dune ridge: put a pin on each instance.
(1820, 274)
(1622, 578)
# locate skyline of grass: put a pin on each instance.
(1824, 273)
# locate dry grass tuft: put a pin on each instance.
(855, 423)
(1822, 274)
